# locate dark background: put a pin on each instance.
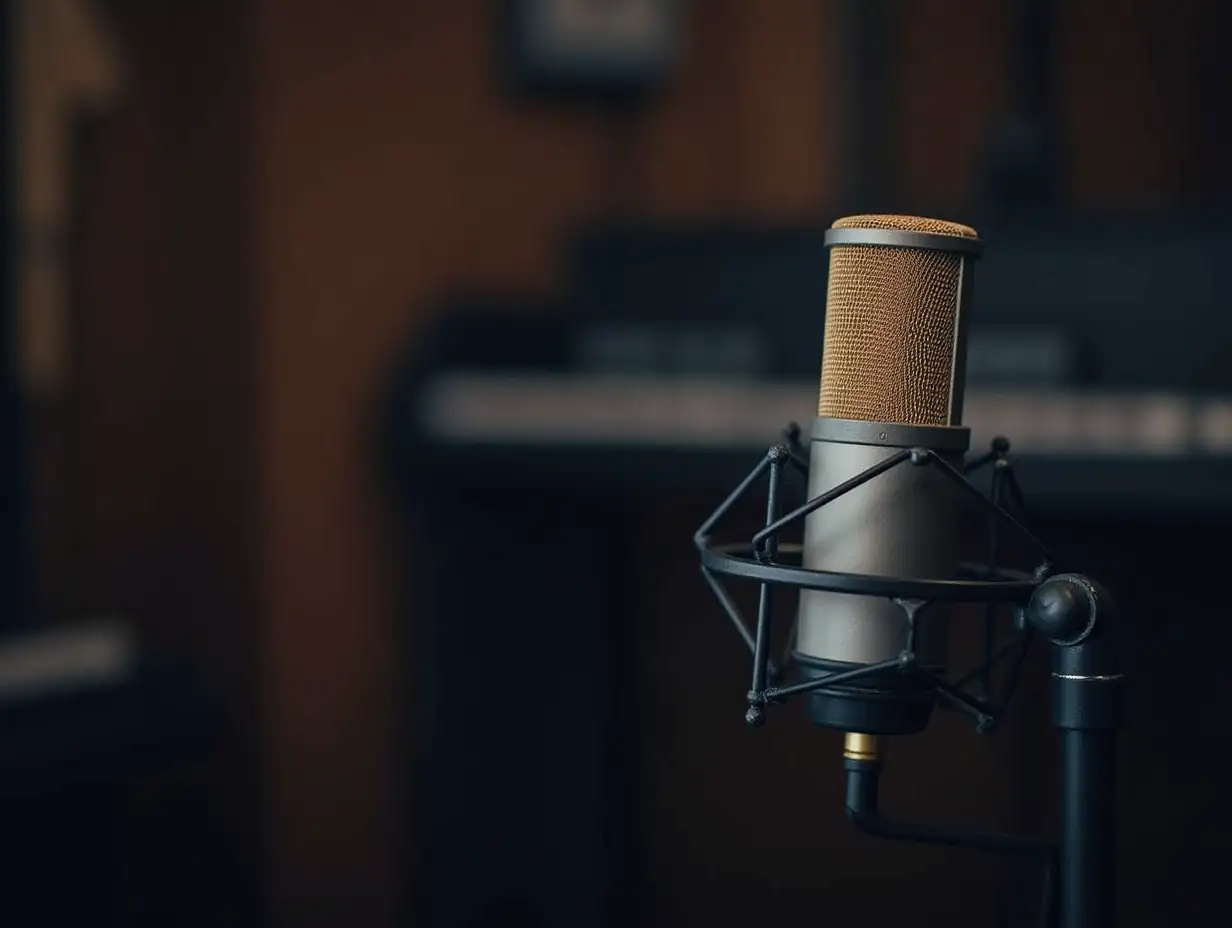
(274, 228)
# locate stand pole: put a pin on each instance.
(1088, 828)
(1078, 616)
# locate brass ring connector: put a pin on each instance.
(858, 746)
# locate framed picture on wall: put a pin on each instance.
(592, 48)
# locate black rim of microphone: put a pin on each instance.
(764, 560)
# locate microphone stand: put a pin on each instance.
(1087, 695)
(1072, 612)
(1080, 620)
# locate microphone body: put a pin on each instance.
(891, 378)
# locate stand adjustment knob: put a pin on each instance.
(1062, 609)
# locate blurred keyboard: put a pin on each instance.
(1102, 348)
(535, 409)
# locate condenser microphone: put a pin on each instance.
(879, 560)
(892, 372)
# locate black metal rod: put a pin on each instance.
(1088, 828)
(993, 659)
(1011, 678)
(1011, 481)
(791, 436)
(699, 537)
(729, 606)
(759, 540)
(772, 502)
(735, 561)
(833, 679)
(998, 449)
(994, 558)
(761, 644)
(950, 471)
(1081, 620)
(963, 701)
(863, 787)
(862, 808)
(983, 459)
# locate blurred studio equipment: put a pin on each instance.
(672, 358)
(594, 50)
(878, 565)
(85, 707)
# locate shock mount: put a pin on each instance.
(1070, 612)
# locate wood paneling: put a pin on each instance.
(744, 129)
(392, 166)
(1129, 73)
(952, 79)
(389, 169)
(145, 471)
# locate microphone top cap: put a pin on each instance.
(896, 223)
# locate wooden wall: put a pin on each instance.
(267, 221)
(391, 166)
(144, 483)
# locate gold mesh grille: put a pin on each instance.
(890, 315)
(906, 224)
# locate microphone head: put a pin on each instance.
(895, 345)
(892, 373)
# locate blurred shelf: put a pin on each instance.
(101, 730)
